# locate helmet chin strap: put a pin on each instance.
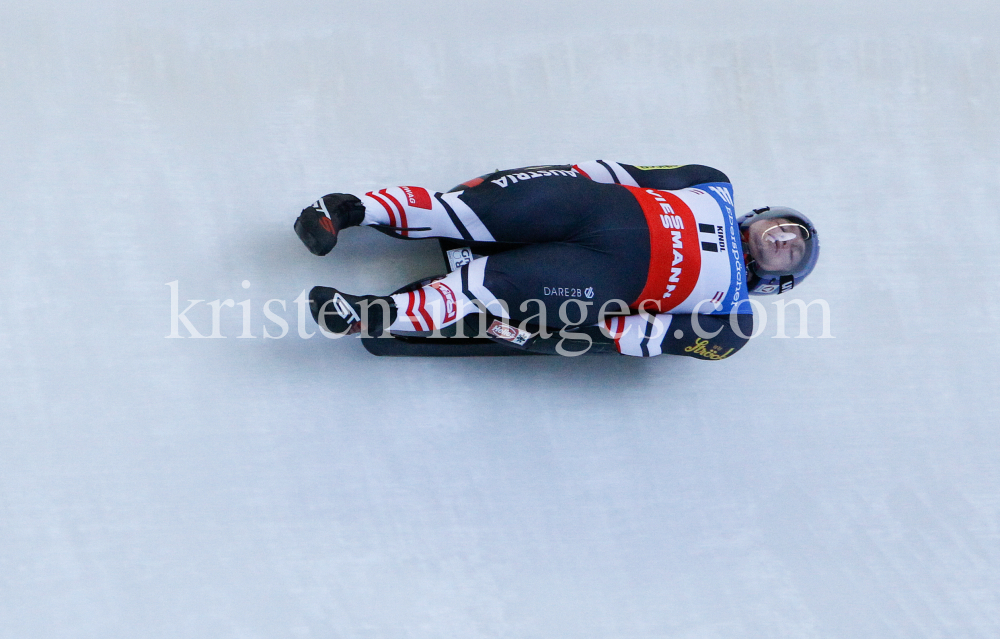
(749, 261)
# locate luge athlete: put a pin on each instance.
(660, 247)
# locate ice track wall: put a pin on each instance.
(827, 488)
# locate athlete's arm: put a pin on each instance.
(644, 335)
(668, 178)
(715, 336)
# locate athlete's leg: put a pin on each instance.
(565, 238)
(519, 207)
(550, 284)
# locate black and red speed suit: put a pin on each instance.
(662, 241)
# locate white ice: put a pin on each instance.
(214, 488)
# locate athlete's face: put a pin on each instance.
(777, 244)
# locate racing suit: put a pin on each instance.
(650, 255)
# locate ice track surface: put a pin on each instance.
(173, 488)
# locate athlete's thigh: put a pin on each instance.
(548, 206)
(555, 274)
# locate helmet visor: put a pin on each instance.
(780, 245)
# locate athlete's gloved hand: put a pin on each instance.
(319, 224)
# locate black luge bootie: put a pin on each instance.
(344, 314)
(319, 224)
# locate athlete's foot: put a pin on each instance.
(319, 224)
(345, 314)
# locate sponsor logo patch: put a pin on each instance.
(457, 258)
(706, 349)
(450, 307)
(723, 193)
(417, 197)
(508, 333)
(675, 264)
(669, 218)
(568, 291)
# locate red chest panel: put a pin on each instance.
(674, 255)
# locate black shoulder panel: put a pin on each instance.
(673, 178)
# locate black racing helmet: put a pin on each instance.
(764, 282)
